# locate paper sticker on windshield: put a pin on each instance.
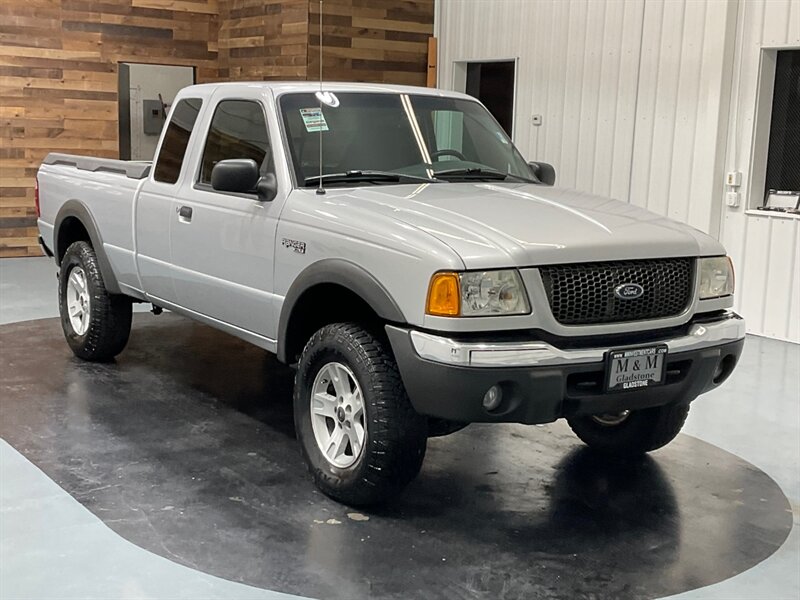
(313, 119)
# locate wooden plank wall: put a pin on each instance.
(365, 40)
(58, 67)
(371, 40)
(58, 83)
(263, 39)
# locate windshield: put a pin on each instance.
(368, 136)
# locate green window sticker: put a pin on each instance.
(313, 119)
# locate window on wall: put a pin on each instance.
(774, 172)
(782, 182)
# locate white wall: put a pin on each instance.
(765, 249)
(635, 95)
(681, 109)
(578, 64)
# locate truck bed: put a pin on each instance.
(133, 169)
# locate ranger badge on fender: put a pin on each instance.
(299, 247)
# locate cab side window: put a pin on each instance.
(176, 139)
(238, 130)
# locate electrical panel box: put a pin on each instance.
(152, 117)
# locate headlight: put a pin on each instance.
(477, 293)
(716, 277)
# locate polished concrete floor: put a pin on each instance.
(182, 453)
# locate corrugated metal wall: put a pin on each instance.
(635, 98)
(578, 68)
(681, 111)
(765, 249)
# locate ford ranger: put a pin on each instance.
(394, 247)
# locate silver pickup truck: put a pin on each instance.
(393, 245)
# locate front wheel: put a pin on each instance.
(96, 324)
(361, 438)
(631, 432)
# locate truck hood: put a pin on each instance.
(508, 224)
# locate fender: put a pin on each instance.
(75, 208)
(340, 272)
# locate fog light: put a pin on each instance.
(717, 372)
(724, 369)
(493, 398)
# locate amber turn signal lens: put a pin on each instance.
(443, 296)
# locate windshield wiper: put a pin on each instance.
(367, 176)
(477, 173)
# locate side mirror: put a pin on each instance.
(544, 172)
(240, 175)
(235, 175)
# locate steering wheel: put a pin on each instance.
(448, 152)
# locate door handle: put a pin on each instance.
(185, 213)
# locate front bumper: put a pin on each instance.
(541, 382)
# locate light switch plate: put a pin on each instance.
(733, 178)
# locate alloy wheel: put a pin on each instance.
(78, 301)
(337, 414)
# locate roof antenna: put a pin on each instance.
(320, 189)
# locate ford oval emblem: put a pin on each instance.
(628, 291)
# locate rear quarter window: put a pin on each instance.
(176, 139)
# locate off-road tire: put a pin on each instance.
(643, 431)
(396, 435)
(109, 314)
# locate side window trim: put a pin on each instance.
(206, 187)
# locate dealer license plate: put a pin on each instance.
(635, 368)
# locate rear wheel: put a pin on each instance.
(362, 440)
(96, 324)
(631, 432)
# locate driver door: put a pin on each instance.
(222, 242)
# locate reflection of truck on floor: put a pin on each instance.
(422, 277)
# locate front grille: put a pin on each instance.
(583, 294)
